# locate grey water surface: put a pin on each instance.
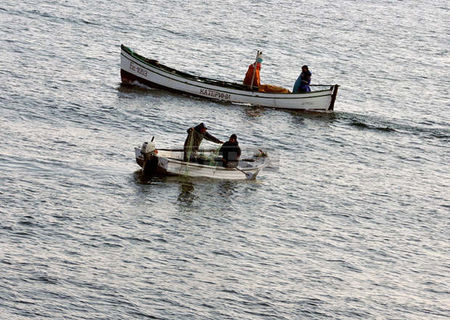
(351, 220)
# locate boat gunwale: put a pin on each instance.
(189, 164)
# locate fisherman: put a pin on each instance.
(230, 152)
(193, 140)
(303, 81)
(253, 73)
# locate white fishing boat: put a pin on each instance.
(135, 68)
(169, 162)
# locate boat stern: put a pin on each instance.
(334, 88)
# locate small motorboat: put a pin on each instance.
(136, 69)
(208, 163)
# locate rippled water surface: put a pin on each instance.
(351, 220)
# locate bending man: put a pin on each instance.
(194, 139)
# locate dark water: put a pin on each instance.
(351, 221)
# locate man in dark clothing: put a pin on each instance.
(231, 152)
(193, 140)
(303, 81)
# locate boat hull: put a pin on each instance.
(170, 164)
(137, 69)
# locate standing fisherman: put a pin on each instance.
(252, 77)
(193, 140)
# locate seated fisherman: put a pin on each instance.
(193, 140)
(253, 73)
(231, 152)
(303, 81)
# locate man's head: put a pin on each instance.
(233, 138)
(305, 68)
(259, 58)
(201, 128)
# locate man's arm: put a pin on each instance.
(211, 138)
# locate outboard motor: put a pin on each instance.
(149, 152)
(148, 147)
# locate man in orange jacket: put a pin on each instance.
(253, 73)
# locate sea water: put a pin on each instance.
(351, 220)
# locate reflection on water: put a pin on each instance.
(141, 178)
(135, 88)
(254, 111)
(193, 191)
(300, 115)
(207, 187)
(186, 196)
(226, 188)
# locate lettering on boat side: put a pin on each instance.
(215, 94)
(134, 67)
